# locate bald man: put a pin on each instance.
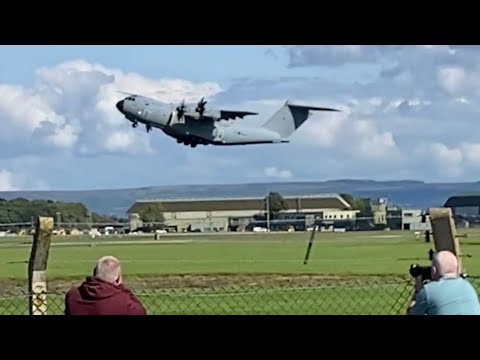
(103, 293)
(447, 294)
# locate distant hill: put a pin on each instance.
(404, 193)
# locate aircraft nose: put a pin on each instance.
(120, 105)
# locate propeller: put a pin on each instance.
(201, 106)
(181, 109)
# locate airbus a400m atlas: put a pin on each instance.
(195, 124)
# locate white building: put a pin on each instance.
(412, 220)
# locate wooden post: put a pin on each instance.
(37, 282)
(310, 243)
(444, 232)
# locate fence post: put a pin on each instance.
(444, 232)
(37, 281)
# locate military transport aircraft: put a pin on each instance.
(194, 124)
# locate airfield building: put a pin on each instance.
(237, 214)
(412, 220)
(465, 208)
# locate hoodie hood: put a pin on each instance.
(94, 288)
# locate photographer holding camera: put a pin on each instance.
(447, 293)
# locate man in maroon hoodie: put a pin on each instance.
(103, 293)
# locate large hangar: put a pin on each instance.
(465, 207)
(216, 214)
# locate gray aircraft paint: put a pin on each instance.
(194, 124)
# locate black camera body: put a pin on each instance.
(425, 272)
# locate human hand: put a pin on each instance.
(418, 284)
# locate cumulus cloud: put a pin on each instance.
(17, 178)
(356, 131)
(407, 111)
(332, 55)
(449, 161)
(452, 79)
(416, 100)
(71, 106)
(398, 55)
(7, 182)
(446, 161)
(122, 141)
(63, 137)
(274, 172)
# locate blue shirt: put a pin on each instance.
(447, 296)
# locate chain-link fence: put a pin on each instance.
(360, 295)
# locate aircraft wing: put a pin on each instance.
(201, 113)
(232, 114)
(217, 115)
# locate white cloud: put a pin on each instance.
(332, 55)
(72, 107)
(417, 100)
(274, 172)
(25, 110)
(7, 182)
(371, 142)
(471, 153)
(18, 177)
(118, 141)
(406, 111)
(351, 131)
(325, 130)
(452, 79)
(449, 161)
(122, 141)
(64, 137)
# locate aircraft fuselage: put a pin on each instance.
(191, 131)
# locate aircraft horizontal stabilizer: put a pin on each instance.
(312, 108)
(306, 107)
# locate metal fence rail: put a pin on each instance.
(328, 296)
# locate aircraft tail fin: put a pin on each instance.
(290, 117)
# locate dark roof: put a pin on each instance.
(327, 201)
(463, 200)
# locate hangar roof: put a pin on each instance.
(322, 201)
(463, 200)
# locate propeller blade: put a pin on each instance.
(201, 106)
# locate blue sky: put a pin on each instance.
(408, 112)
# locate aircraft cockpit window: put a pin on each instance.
(130, 98)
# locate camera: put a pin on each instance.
(425, 272)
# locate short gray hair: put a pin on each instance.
(108, 269)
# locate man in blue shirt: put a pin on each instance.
(447, 294)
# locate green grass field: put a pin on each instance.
(332, 253)
(240, 273)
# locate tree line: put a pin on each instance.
(22, 210)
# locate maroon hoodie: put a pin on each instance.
(97, 297)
